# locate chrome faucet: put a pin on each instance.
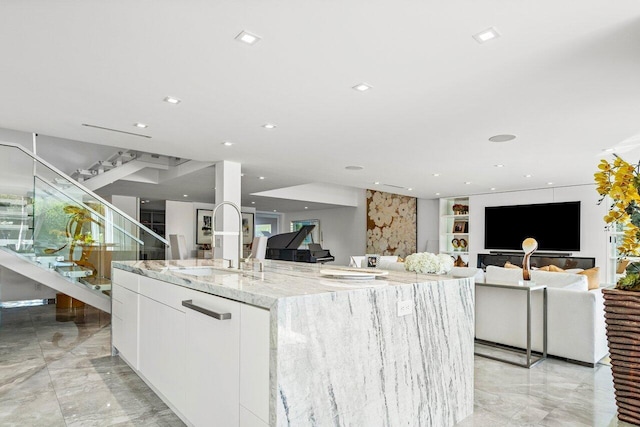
(227, 233)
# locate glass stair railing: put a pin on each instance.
(55, 223)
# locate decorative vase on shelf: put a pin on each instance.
(619, 181)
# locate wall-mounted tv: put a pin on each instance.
(556, 226)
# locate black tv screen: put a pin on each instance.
(556, 226)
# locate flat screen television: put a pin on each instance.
(556, 226)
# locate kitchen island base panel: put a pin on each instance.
(370, 365)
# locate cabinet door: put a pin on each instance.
(124, 323)
(162, 349)
(254, 365)
(212, 362)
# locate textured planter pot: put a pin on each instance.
(622, 314)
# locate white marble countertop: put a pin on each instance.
(279, 279)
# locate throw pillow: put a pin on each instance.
(593, 277)
(555, 268)
(509, 265)
(545, 268)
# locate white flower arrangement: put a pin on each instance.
(426, 262)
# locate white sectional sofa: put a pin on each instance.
(575, 315)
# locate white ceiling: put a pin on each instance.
(563, 78)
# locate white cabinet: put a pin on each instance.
(124, 315)
(254, 366)
(454, 229)
(213, 372)
(162, 340)
(212, 361)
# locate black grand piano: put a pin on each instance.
(285, 247)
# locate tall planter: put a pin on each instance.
(622, 314)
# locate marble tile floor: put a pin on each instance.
(56, 370)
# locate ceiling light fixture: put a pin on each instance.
(253, 203)
(141, 125)
(185, 195)
(609, 150)
(437, 194)
(362, 87)
(467, 182)
(549, 183)
(269, 126)
(409, 189)
(227, 144)
(376, 183)
(248, 38)
(261, 177)
(528, 175)
(172, 100)
(486, 35)
(436, 174)
(275, 210)
(502, 138)
(498, 166)
(306, 207)
(493, 188)
(354, 168)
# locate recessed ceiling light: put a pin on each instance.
(609, 150)
(549, 183)
(376, 183)
(493, 188)
(185, 195)
(436, 174)
(528, 175)
(248, 38)
(362, 87)
(140, 125)
(269, 126)
(253, 203)
(467, 182)
(227, 144)
(437, 194)
(275, 210)
(502, 138)
(498, 166)
(306, 207)
(261, 177)
(242, 175)
(486, 35)
(354, 168)
(172, 100)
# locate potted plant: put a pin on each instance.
(620, 181)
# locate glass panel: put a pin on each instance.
(63, 226)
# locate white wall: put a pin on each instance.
(180, 218)
(344, 230)
(593, 237)
(428, 225)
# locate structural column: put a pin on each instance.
(228, 186)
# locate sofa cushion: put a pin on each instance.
(509, 265)
(593, 277)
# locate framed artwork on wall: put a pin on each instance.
(204, 226)
(248, 225)
(391, 224)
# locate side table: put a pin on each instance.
(528, 288)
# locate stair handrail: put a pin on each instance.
(83, 188)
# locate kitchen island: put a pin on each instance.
(284, 344)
